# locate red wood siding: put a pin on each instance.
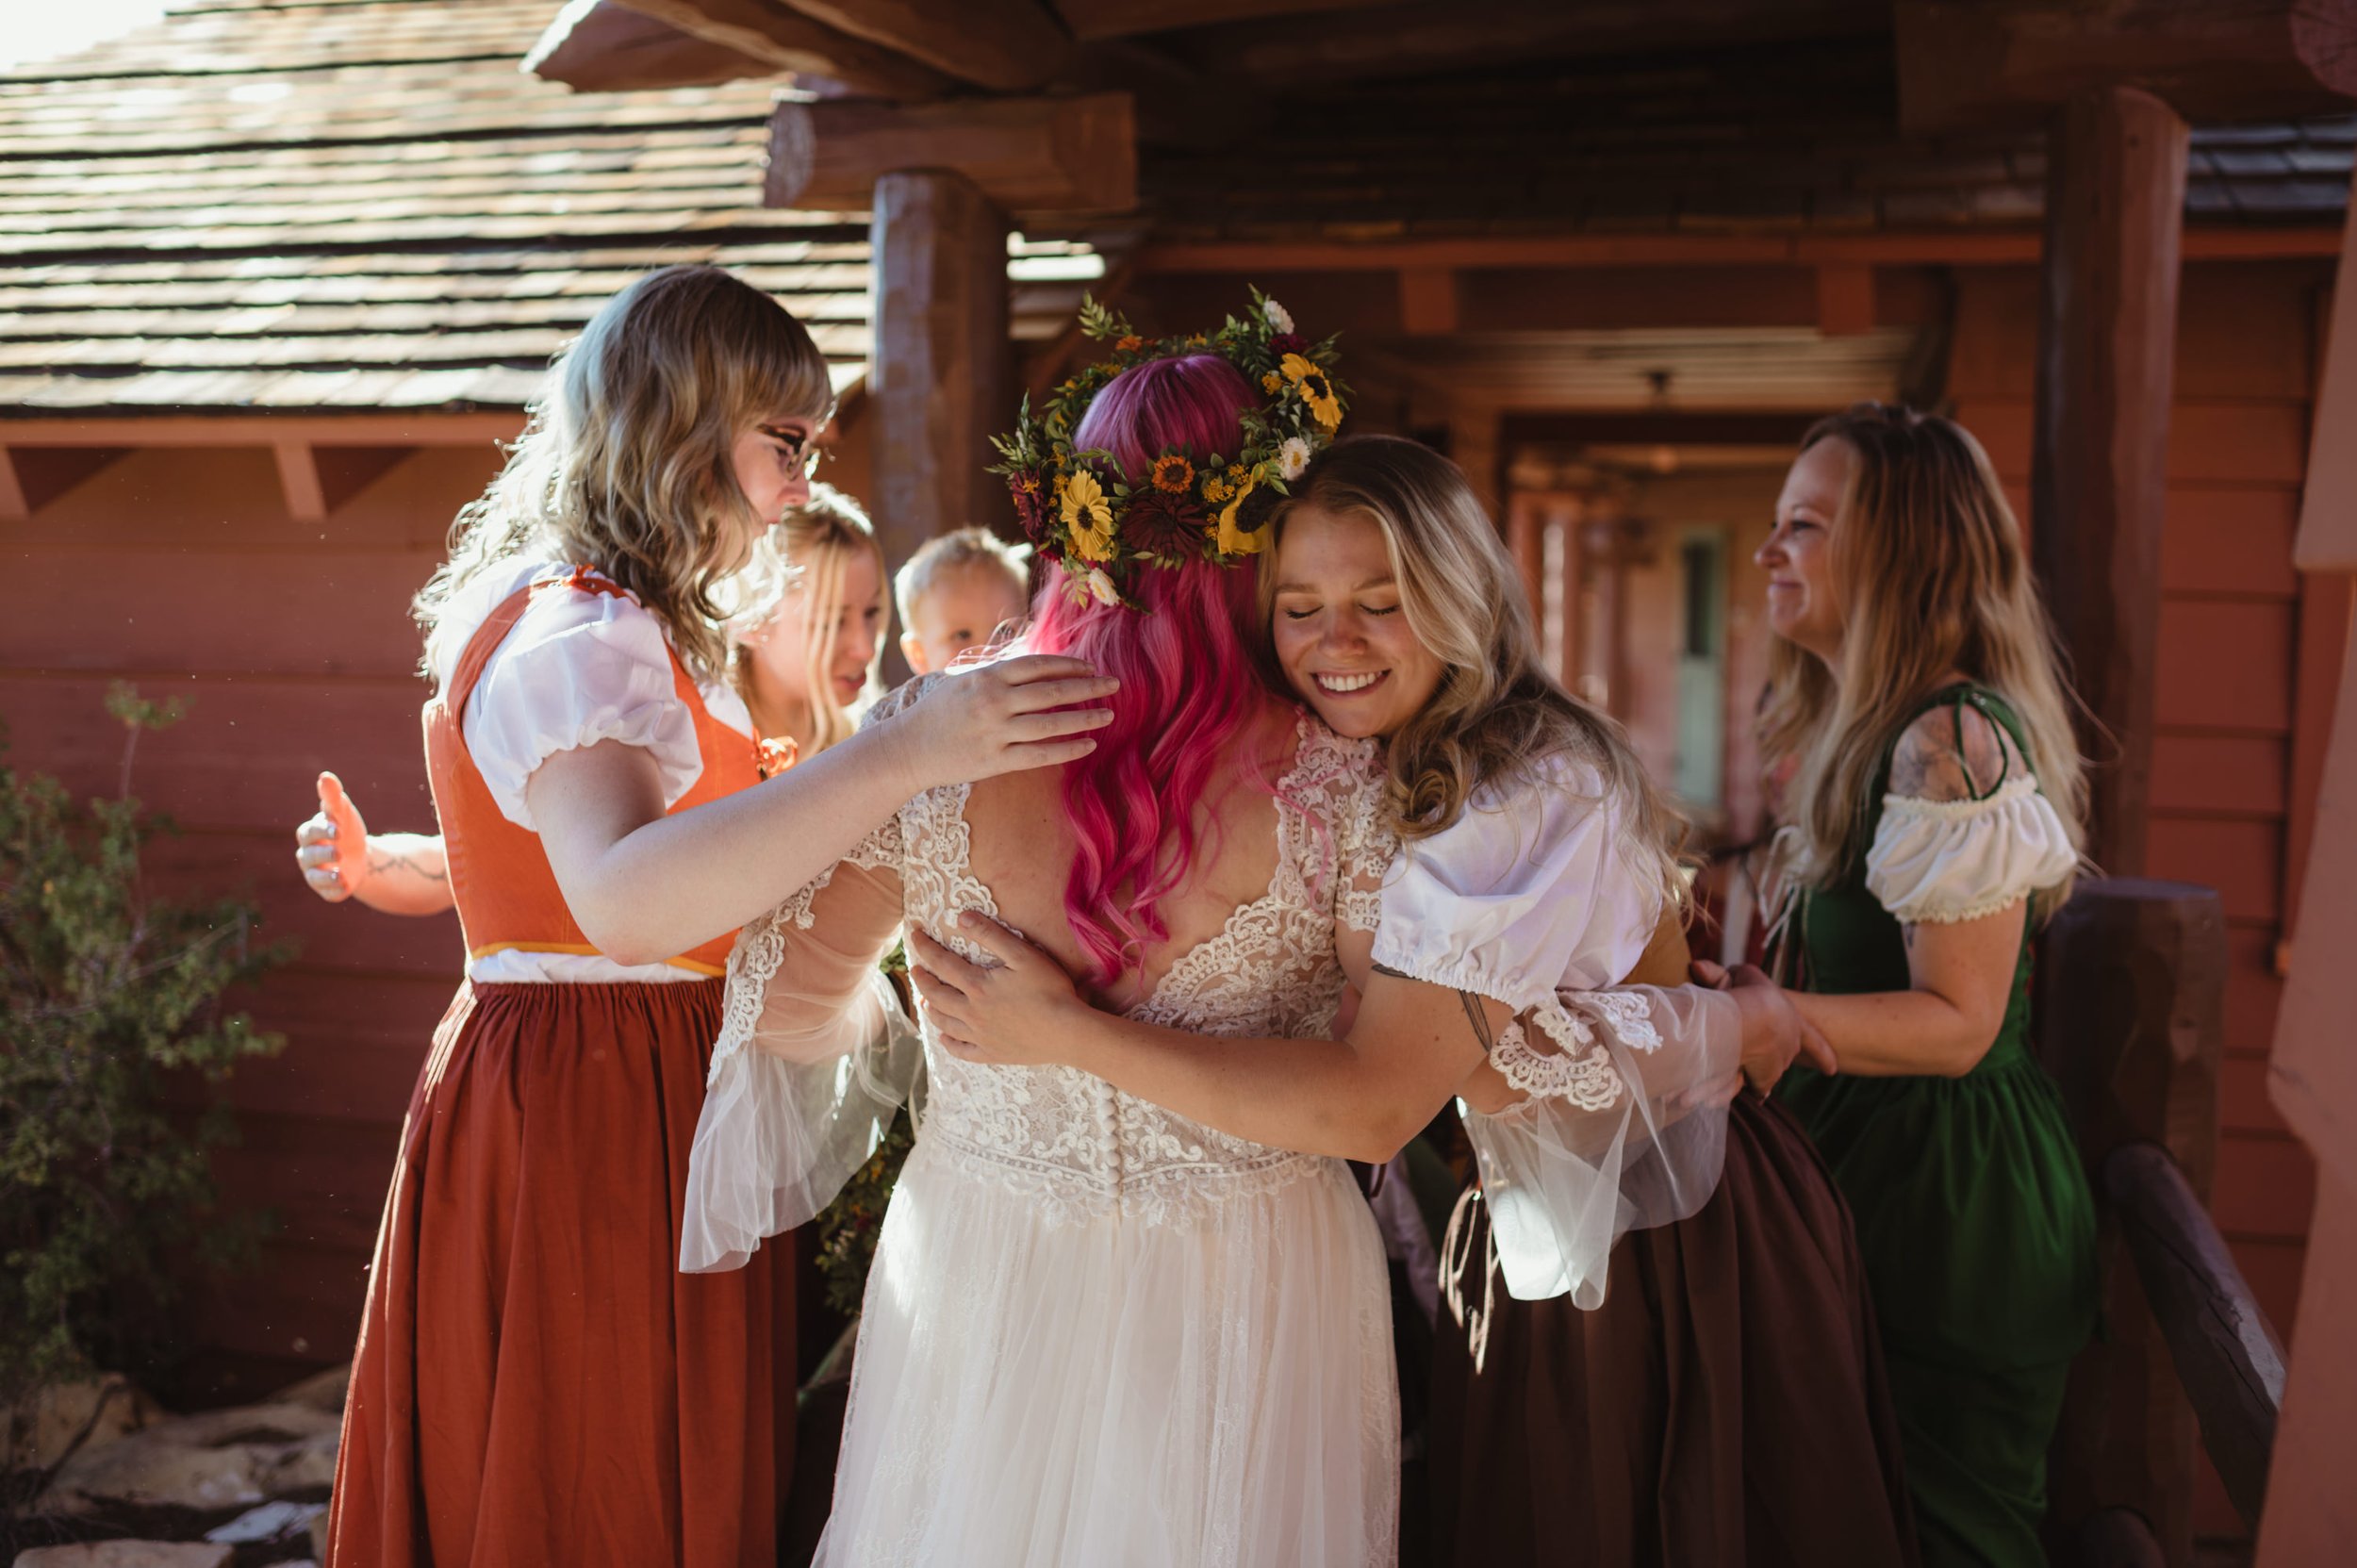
(180, 569)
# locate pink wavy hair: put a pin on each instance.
(1190, 670)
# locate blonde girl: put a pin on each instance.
(1934, 819)
(535, 1382)
(1721, 1403)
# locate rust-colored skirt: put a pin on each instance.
(536, 1382)
(1724, 1408)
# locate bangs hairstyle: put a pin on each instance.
(1497, 712)
(807, 555)
(627, 464)
(1193, 698)
(1928, 568)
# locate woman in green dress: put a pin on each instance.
(1934, 810)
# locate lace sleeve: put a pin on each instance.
(833, 1057)
(1363, 843)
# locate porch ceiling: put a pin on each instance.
(1663, 370)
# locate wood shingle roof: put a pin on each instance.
(309, 204)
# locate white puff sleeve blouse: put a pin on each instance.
(1529, 899)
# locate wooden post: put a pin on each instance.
(1525, 540)
(1476, 440)
(2115, 207)
(2131, 1020)
(942, 377)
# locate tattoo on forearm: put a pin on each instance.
(379, 864)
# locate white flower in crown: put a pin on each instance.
(1102, 587)
(1278, 317)
(1292, 458)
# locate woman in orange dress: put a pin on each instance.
(535, 1383)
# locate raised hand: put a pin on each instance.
(332, 847)
(1020, 1014)
(1003, 718)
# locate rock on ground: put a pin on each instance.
(37, 1435)
(127, 1554)
(218, 1460)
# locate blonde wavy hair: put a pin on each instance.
(1930, 575)
(1497, 712)
(626, 462)
(805, 555)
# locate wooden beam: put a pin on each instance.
(1968, 65)
(37, 474)
(788, 40)
(299, 480)
(1027, 155)
(1428, 301)
(1422, 39)
(1005, 46)
(1895, 248)
(2324, 35)
(941, 372)
(598, 46)
(1092, 20)
(1845, 299)
(2107, 348)
(13, 506)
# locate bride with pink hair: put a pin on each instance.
(1097, 1331)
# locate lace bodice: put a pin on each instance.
(1073, 1143)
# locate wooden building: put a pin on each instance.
(1613, 258)
(275, 278)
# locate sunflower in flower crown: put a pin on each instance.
(1079, 509)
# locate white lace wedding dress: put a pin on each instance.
(1097, 1334)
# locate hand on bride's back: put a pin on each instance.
(1003, 718)
(1016, 1015)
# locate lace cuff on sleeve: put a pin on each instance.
(1624, 1129)
(1939, 862)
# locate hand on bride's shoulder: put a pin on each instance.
(1033, 711)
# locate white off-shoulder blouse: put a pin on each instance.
(1940, 862)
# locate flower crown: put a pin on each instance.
(1076, 509)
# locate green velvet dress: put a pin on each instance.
(1975, 1222)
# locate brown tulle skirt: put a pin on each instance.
(536, 1382)
(1724, 1408)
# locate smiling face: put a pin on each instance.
(1803, 605)
(1340, 631)
(772, 460)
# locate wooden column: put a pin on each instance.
(2115, 198)
(942, 378)
(1476, 440)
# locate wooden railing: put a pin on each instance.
(2131, 984)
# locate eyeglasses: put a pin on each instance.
(811, 452)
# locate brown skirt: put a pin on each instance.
(536, 1382)
(1724, 1408)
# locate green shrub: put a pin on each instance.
(104, 995)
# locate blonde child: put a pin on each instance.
(955, 592)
